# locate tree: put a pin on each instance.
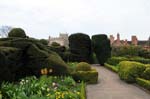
(101, 47)
(80, 46)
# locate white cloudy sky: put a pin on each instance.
(41, 18)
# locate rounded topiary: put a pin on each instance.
(83, 66)
(80, 46)
(129, 71)
(17, 32)
(146, 73)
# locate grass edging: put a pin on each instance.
(111, 67)
(144, 83)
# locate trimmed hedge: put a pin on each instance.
(80, 47)
(146, 73)
(144, 83)
(17, 32)
(111, 67)
(90, 77)
(129, 71)
(101, 47)
(83, 66)
(116, 60)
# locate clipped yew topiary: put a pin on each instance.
(83, 66)
(17, 32)
(101, 47)
(21, 57)
(80, 47)
(129, 71)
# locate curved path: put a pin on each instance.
(111, 87)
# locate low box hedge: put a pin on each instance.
(111, 67)
(90, 77)
(116, 60)
(129, 71)
(144, 83)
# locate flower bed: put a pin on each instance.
(43, 88)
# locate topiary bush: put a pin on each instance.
(80, 47)
(83, 66)
(129, 71)
(21, 57)
(101, 47)
(146, 73)
(90, 77)
(17, 32)
(10, 62)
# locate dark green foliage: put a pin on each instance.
(10, 62)
(116, 60)
(22, 57)
(55, 44)
(101, 47)
(83, 66)
(146, 73)
(144, 83)
(44, 41)
(144, 53)
(129, 71)
(80, 47)
(17, 32)
(90, 77)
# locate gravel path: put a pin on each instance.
(111, 87)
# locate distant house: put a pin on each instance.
(134, 41)
(62, 40)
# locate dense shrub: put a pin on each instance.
(80, 47)
(90, 77)
(17, 32)
(144, 53)
(29, 56)
(146, 73)
(125, 50)
(101, 47)
(83, 66)
(116, 60)
(10, 62)
(129, 71)
(44, 41)
(144, 83)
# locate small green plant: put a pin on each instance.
(43, 88)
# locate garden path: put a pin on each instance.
(111, 87)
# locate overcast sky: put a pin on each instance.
(41, 18)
